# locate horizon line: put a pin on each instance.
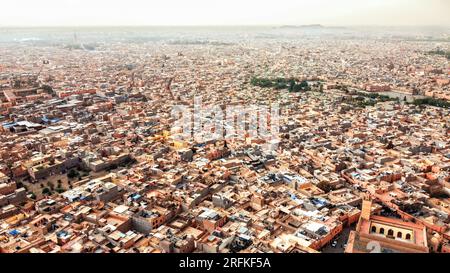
(221, 25)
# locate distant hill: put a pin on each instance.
(313, 26)
(303, 26)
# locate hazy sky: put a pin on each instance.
(223, 12)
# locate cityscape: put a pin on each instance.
(295, 138)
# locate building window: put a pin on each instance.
(381, 230)
(374, 229)
(408, 236)
(390, 232)
(399, 235)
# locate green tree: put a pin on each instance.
(291, 85)
(72, 173)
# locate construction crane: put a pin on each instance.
(132, 68)
(130, 87)
(44, 62)
(167, 84)
(169, 89)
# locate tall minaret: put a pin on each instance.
(366, 210)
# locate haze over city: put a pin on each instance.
(226, 127)
(231, 12)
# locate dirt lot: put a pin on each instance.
(59, 181)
